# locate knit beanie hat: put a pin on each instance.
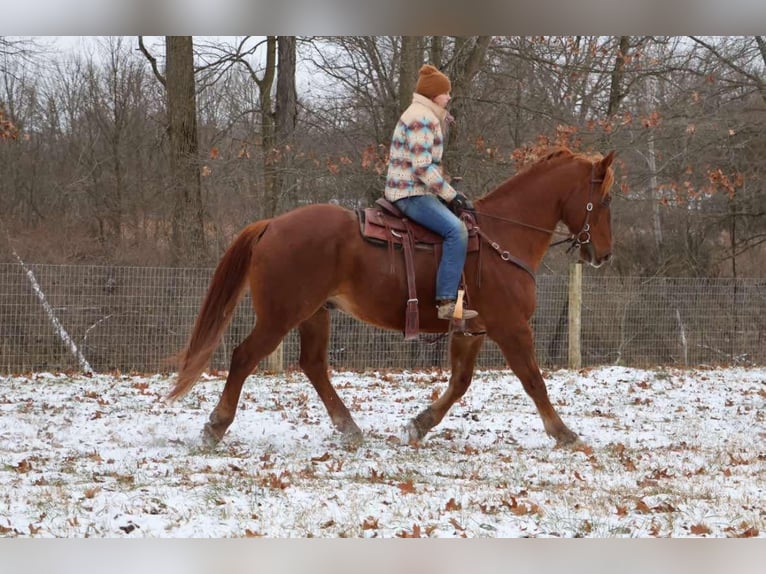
(431, 82)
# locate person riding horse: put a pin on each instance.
(416, 185)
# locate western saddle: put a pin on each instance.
(385, 224)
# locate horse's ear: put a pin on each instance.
(604, 164)
(607, 161)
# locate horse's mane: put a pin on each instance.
(558, 154)
(546, 161)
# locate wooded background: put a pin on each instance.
(155, 152)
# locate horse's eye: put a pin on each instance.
(606, 200)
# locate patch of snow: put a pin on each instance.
(677, 453)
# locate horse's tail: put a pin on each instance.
(225, 291)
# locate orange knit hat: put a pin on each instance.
(431, 82)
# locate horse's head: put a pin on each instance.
(586, 211)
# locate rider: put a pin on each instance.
(415, 184)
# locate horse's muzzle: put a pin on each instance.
(588, 255)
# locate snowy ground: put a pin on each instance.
(678, 453)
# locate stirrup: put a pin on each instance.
(446, 311)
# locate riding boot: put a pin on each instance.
(447, 310)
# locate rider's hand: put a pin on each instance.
(461, 203)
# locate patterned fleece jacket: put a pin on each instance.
(416, 153)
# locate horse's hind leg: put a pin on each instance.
(463, 352)
(315, 337)
(261, 342)
(518, 349)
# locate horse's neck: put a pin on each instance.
(522, 218)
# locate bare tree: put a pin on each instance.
(744, 59)
(188, 238)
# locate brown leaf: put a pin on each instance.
(700, 529)
(456, 524)
(629, 465)
(92, 492)
(751, 532)
(407, 487)
(654, 530)
(747, 532)
(414, 534)
(643, 507)
(323, 458)
(453, 505)
(370, 523)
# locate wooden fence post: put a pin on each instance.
(276, 361)
(575, 307)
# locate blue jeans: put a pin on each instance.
(430, 212)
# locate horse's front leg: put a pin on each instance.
(518, 349)
(463, 352)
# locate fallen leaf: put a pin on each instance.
(700, 529)
(370, 523)
(407, 487)
(323, 458)
(643, 507)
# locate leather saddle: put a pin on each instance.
(385, 225)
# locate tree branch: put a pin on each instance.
(152, 61)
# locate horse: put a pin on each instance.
(300, 264)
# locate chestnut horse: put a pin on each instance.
(301, 263)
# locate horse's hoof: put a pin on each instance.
(572, 442)
(209, 436)
(410, 435)
(352, 440)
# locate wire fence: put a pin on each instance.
(135, 318)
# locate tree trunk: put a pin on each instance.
(616, 93)
(762, 48)
(437, 51)
(188, 240)
(408, 70)
(286, 117)
(268, 138)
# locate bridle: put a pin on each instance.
(576, 240)
(582, 238)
